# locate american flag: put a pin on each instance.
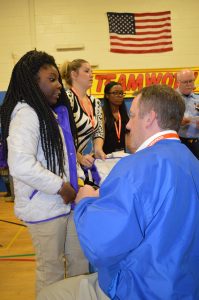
(140, 32)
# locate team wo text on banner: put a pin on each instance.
(134, 80)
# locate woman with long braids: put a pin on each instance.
(41, 157)
(115, 118)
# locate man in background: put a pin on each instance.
(141, 229)
(189, 130)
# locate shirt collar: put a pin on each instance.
(192, 95)
(154, 136)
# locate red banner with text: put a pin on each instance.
(135, 80)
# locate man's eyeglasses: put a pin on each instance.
(187, 81)
(117, 93)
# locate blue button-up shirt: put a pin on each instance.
(190, 130)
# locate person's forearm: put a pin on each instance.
(98, 144)
(98, 148)
(79, 157)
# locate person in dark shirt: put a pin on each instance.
(115, 117)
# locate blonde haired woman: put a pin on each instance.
(86, 109)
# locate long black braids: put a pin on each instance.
(23, 87)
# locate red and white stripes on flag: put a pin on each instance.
(140, 32)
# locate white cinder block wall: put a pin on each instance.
(44, 24)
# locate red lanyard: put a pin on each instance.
(118, 128)
(89, 110)
(163, 137)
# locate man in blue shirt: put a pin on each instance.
(140, 230)
(189, 130)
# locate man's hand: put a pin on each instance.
(86, 191)
(67, 193)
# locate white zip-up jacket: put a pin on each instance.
(35, 187)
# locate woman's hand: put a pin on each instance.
(99, 153)
(85, 160)
(67, 193)
(98, 149)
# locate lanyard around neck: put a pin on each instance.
(163, 137)
(88, 110)
(118, 128)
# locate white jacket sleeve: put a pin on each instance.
(25, 156)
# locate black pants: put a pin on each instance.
(192, 144)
